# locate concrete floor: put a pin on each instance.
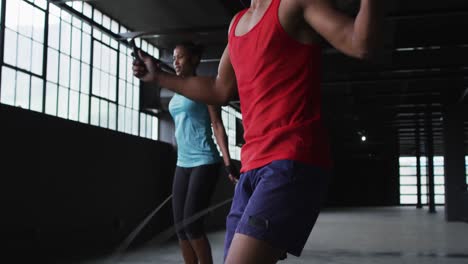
(348, 236)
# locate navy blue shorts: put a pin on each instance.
(278, 203)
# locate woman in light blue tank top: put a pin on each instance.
(198, 159)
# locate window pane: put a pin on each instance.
(65, 36)
(123, 64)
(51, 99)
(121, 125)
(11, 43)
(94, 111)
(76, 22)
(97, 55)
(87, 28)
(22, 90)
(64, 70)
(25, 24)
(121, 92)
(408, 199)
(74, 104)
(438, 170)
(423, 161)
(142, 125)
(439, 179)
(96, 82)
(440, 199)
(37, 52)
(54, 31)
(135, 123)
(112, 88)
(24, 53)
(424, 199)
(136, 97)
(78, 6)
(439, 189)
(75, 75)
(104, 119)
(97, 16)
(129, 96)
(65, 16)
(112, 116)
(149, 126)
(85, 78)
(407, 161)
(105, 39)
(76, 43)
(106, 22)
(41, 3)
(408, 190)
(104, 58)
(424, 180)
(85, 49)
(8, 86)
(38, 25)
(63, 102)
(115, 26)
(52, 65)
(403, 170)
(104, 85)
(424, 170)
(155, 128)
(84, 108)
(36, 94)
(87, 10)
(53, 9)
(128, 120)
(439, 160)
(408, 180)
(12, 14)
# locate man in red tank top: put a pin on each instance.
(273, 62)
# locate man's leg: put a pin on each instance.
(248, 250)
(242, 195)
(279, 214)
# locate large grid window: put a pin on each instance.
(87, 77)
(408, 180)
(466, 170)
(231, 118)
(22, 67)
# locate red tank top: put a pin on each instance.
(279, 88)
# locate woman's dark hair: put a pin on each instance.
(195, 50)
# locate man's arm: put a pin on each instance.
(208, 90)
(355, 37)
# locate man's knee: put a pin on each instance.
(249, 250)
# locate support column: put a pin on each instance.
(418, 163)
(430, 160)
(456, 195)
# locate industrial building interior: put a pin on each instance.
(88, 152)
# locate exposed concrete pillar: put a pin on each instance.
(456, 194)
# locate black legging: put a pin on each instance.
(192, 189)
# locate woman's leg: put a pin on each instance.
(203, 180)
(179, 193)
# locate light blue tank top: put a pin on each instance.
(195, 145)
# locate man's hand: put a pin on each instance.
(146, 68)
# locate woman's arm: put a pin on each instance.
(221, 138)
